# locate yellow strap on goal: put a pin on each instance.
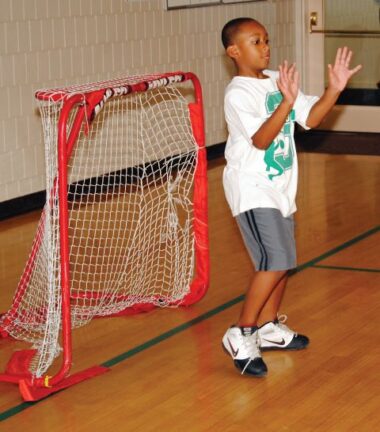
(47, 380)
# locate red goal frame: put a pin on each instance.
(90, 103)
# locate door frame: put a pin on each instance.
(310, 59)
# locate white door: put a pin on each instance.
(355, 24)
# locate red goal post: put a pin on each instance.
(162, 192)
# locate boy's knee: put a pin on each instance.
(281, 274)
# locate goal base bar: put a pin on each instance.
(17, 372)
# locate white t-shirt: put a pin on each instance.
(255, 178)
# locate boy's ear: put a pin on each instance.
(232, 51)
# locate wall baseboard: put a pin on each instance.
(357, 143)
(21, 205)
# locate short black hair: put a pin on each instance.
(231, 29)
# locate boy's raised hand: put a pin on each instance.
(288, 82)
(339, 73)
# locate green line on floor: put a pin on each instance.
(331, 267)
(114, 361)
(339, 248)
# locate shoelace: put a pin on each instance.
(251, 343)
(281, 324)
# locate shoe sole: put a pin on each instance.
(245, 374)
(282, 349)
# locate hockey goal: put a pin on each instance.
(124, 227)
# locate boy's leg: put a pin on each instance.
(242, 340)
(275, 335)
(271, 307)
(261, 289)
(269, 238)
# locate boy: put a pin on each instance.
(260, 180)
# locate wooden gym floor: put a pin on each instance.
(168, 371)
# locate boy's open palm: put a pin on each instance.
(288, 82)
(339, 73)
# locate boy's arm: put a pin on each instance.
(288, 83)
(339, 74)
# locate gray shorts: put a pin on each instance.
(269, 238)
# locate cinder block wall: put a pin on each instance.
(45, 43)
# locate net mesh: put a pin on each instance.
(130, 183)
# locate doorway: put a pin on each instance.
(333, 24)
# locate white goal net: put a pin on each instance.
(130, 211)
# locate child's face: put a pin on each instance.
(251, 48)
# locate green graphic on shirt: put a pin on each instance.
(278, 155)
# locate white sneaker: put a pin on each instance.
(275, 335)
(243, 346)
